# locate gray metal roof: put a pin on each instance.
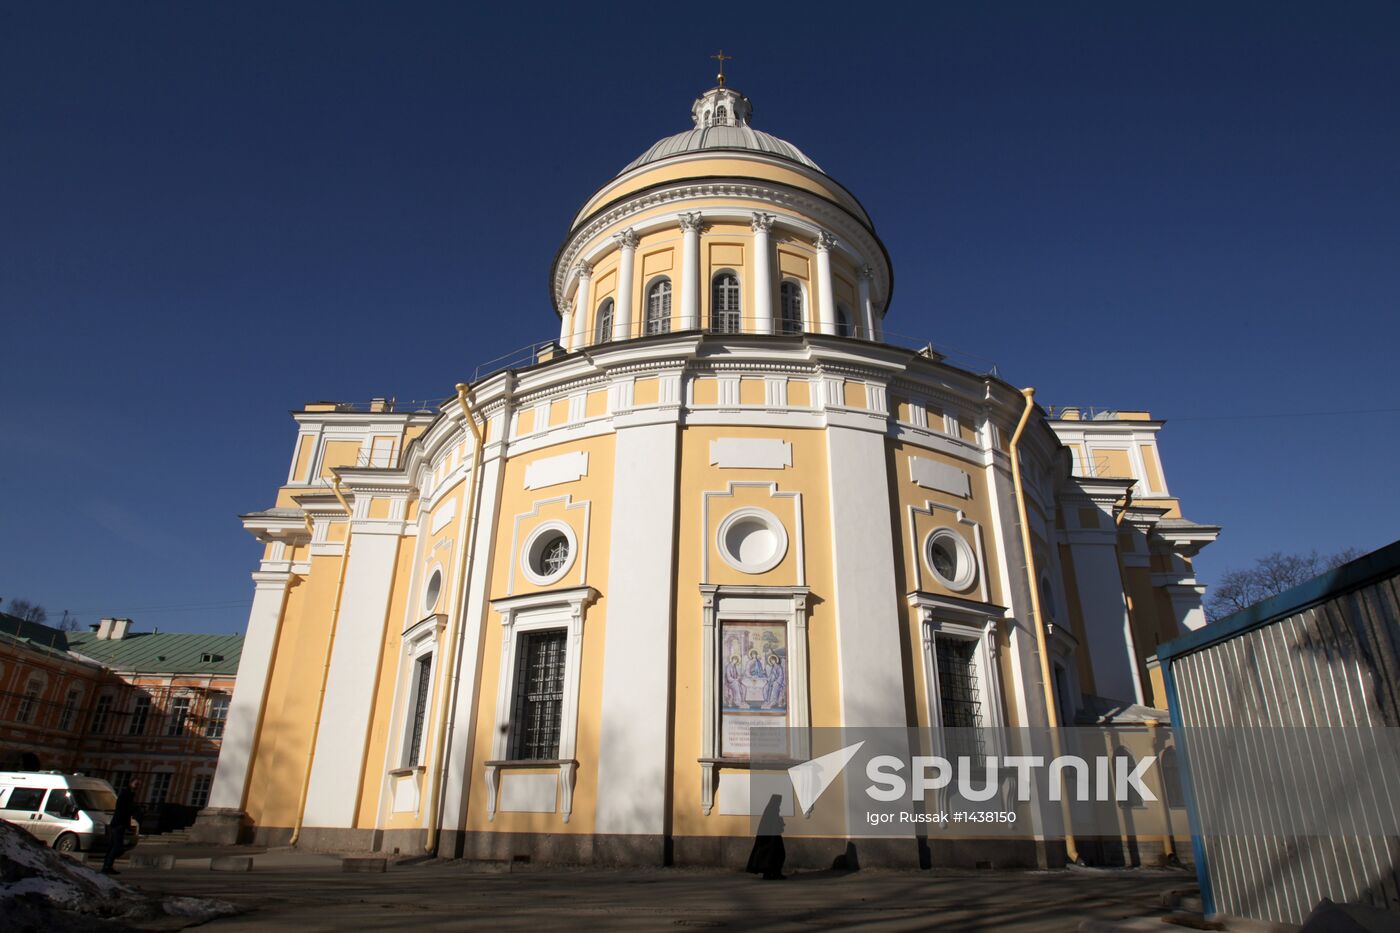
(720, 138)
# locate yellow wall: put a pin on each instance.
(517, 503)
(808, 475)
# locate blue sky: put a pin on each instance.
(212, 213)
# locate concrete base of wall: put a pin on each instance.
(733, 851)
(707, 851)
(219, 826)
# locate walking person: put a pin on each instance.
(116, 829)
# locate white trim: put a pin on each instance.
(543, 534)
(967, 562)
(431, 605)
(976, 622)
(578, 551)
(773, 493)
(749, 604)
(561, 609)
(771, 523)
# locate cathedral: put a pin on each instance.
(540, 622)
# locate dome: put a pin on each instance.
(721, 117)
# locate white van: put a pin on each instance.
(67, 811)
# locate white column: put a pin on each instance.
(633, 746)
(332, 798)
(566, 320)
(622, 311)
(245, 711)
(762, 274)
(868, 614)
(867, 307)
(583, 298)
(1106, 623)
(690, 272)
(475, 611)
(826, 291)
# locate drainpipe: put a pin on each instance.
(326, 668)
(449, 687)
(1052, 714)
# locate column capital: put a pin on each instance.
(762, 222)
(825, 241)
(691, 222)
(627, 239)
(584, 268)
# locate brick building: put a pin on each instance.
(118, 704)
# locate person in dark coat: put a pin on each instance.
(116, 829)
(769, 853)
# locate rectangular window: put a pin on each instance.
(29, 799)
(539, 695)
(753, 683)
(218, 716)
(160, 787)
(102, 713)
(422, 681)
(179, 712)
(960, 693)
(199, 791)
(70, 710)
(28, 702)
(119, 779)
(139, 714)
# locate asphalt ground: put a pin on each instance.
(303, 892)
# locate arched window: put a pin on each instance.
(790, 308)
(659, 307)
(725, 316)
(721, 114)
(603, 325)
(843, 322)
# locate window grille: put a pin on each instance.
(724, 305)
(960, 693)
(659, 308)
(554, 556)
(539, 695)
(421, 682)
(790, 308)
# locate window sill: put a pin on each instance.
(746, 764)
(405, 772)
(531, 762)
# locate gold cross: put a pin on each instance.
(722, 58)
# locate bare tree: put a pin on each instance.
(29, 612)
(1270, 575)
(69, 622)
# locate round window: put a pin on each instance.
(549, 553)
(433, 590)
(752, 540)
(950, 559)
(553, 556)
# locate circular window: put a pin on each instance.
(433, 590)
(950, 559)
(549, 553)
(752, 540)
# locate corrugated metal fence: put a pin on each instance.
(1326, 654)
